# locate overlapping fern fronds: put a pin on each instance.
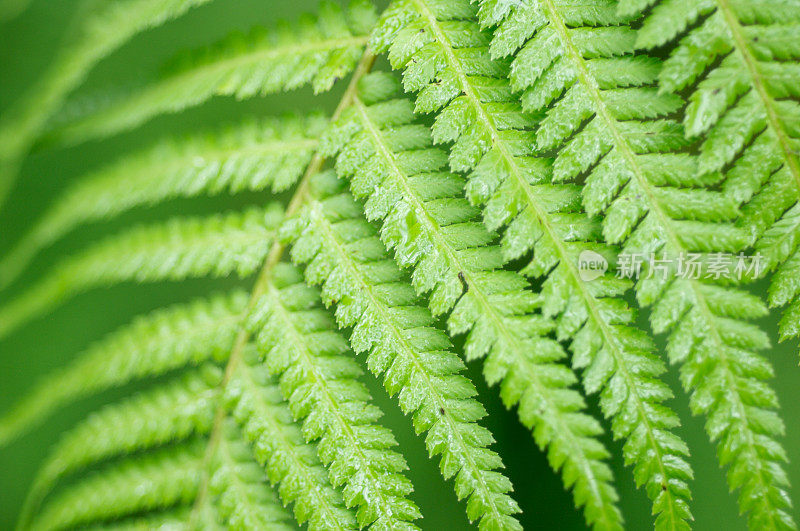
(101, 28)
(517, 190)
(316, 50)
(343, 249)
(433, 229)
(739, 61)
(443, 212)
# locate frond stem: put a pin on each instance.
(300, 196)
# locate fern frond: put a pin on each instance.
(740, 63)
(573, 60)
(171, 412)
(317, 49)
(292, 464)
(320, 381)
(738, 59)
(103, 29)
(168, 339)
(251, 156)
(168, 413)
(779, 246)
(433, 228)
(169, 520)
(345, 256)
(180, 248)
(153, 481)
(244, 498)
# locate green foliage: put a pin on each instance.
(448, 225)
(432, 228)
(739, 61)
(574, 63)
(159, 480)
(168, 413)
(250, 156)
(278, 445)
(238, 482)
(302, 348)
(342, 249)
(102, 28)
(180, 248)
(318, 50)
(168, 339)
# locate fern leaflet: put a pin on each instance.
(168, 413)
(256, 403)
(740, 62)
(432, 228)
(104, 28)
(168, 339)
(153, 481)
(343, 250)
(320, 382)
(251, 156)
(180, 248)
(316, 50)
(239, 482)
(562, 52)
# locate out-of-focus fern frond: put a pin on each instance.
(780, 245)
(244, 498)
(152, 345)
(169, 520)
(251, 156)
(291, 463)
(301, 346)
(317, 49)
(168, 413)
(432, 228)
(153, 481)
(180, 248)
(101, 29)
(345, 256)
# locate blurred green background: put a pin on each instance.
(26, 46)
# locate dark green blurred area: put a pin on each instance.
(26, 46)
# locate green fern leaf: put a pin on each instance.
(168, 413)
(343, 250)
(103, 29)
(181, 248)
(316, 50)
(574, 62)
(153, 481)
(432, 228)
(168, 339)
(292, 465)
(245, 500)
(169, 520)
(251, 156)
(320, 382)
(740, 62)
(780, 247)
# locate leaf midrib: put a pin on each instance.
(622, 146)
